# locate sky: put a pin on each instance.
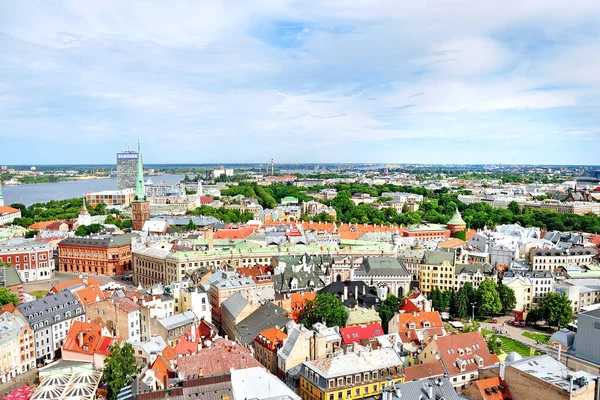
(382, 81)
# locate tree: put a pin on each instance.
(507, 297)
(514, 207)
(436, 298)
(454, 304)
(470, 292)
(557, 310)
(190, 226)
(326, 308)
(462, 306)
(120, 369)
(387, 309)
(7, 296)
(81, 231)
(535, 315)
(30, 234)
(488, 299)
(493, 344)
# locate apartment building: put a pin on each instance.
(359, 375)
(33, 260)
(18, 346)
(120, 314)
(50, 318)
(266, 344)
(553, 259)
(473, 273)
(437, 271)
(542, 283)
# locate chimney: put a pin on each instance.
(345, 292)
(364, 289)
(85, 280)
(200, 372)
(571, 384)
(502, 370)
(356, 293)
(80, 338)
(398, 392)
(430, 390)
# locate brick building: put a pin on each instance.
(266, 345)
(120, 315)
(33, 260)
(96, 255)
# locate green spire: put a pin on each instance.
(140, 187)
(457, 219)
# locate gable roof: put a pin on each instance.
(271, 338)
(419, 319)
(266, 316)
(424, 371)
(89, 295)
(355, 334)
(91, 338)
(472, 346)
(74, 284)
(220, 357)
(8, 210)
(493, 389)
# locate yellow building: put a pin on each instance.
(356, 375)
(523, 288)
(16, 346)
(437, 271)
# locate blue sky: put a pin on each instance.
(450, 81)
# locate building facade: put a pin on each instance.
(126, 169)
(33, 260)
(50, 318)
(110, 197)
(120, 315)
(437, 271)
(266, 345)
(553, 259)
(109, 255)
(18, 346)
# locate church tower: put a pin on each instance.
(140, 208)
(84, 217)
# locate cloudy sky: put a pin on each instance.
(450, 81)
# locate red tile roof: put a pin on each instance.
(8, 210)
(452, 243)
(419, 320)
(493, 389)
(126, 305)
(86, 338)
(89, 295)
(74, 283)
(424, 371)
(218, 358)
(162, 370)
(206, 200)
(169, 353)
(466, 347)
(408, 306)
(355, 334)
(271, 338)
(241, 232)
(41, 225)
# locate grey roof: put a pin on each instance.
(258, 383)
(573, 251)
(234, 305)
(564, 336)
(11, 326)
(307, 279)
(177, 320)
(485, 269)
(266, 316)
(529, 274)
(44, 310)
(11, 277)
(552, 371)
(384, 266)
(441, 389)
(101, 241)
(411, 253)
(437, 257)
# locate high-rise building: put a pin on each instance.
(126, 169)
(140, 208)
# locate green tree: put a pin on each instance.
(513, 206)
(469, 292)
(507, 297)
(190, 226)
(7, 296)
(462, 303)
(387, 309)
(535, 315)
(454, 304)
(557, 310)
(493, 344)
(488, 299)
(31, 234)
(326, 308)
(81, 231)
(436, 299)
(120, 369)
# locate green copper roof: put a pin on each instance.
(140, 187)
(457, 219)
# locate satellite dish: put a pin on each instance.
(437, 357)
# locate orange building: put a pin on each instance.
(101, 256)
(87, 342)
(266, 345)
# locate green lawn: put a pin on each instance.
(485, 332)
(540, 337)
(39, 293)
(509, 345)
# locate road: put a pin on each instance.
(20, 380)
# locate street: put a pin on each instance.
(29, 376)
(513, 332)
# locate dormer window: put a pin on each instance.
(468, 349)
(426, 324)
(460, 352)
(412, 325)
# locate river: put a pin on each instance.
(44, 192)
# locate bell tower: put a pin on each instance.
(140, 208)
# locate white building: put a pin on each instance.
(474, 273)
(222, 171)
(84, 218)
(542, 283)
(552, 259)
(33, 260)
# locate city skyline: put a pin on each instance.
(334, 82)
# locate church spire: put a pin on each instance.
(140, 187)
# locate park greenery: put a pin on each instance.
(222, 214)
(85, 230)
(489, 299)
(555, 310)
(325, 308)
(120, 369)
(8, 297)
(63, 210)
